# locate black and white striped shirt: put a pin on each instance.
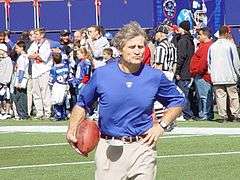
(166, 55)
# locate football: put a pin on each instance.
(87, 136)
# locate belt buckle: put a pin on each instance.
(127, 139)
(115, 142)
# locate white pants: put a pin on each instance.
(42, 95)
(131, 161)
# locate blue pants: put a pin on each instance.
(59, 111)
(205, 94)
(184, 86)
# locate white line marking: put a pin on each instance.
(234, 136)
(46, 165)
(195, 155)
(91, 162)
(182, 136)
(37, 145)
(61, 144)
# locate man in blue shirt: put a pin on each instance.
(127, 90)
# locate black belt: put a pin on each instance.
(128, 139)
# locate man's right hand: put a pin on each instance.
(77, 113)
(72, 140)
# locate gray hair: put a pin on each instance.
(127, 32)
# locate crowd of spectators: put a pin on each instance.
(41, 78)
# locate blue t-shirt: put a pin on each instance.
(126, 100)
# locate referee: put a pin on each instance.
(165, 53)
(165, 59)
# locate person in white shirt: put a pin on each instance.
(223, 66)
(39, 53)
(96, 43)
(21, 78)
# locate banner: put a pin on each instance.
(199, 12)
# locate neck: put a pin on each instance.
(128, 67)
(41, 40)
(207, 40)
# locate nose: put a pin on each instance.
(138, 50)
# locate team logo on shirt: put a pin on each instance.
(129, 84)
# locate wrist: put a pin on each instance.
(163, 124)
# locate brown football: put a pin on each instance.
(87, 136)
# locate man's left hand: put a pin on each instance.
(153, 134)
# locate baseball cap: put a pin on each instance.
(162, 28)
(65, 33)
(3, 47)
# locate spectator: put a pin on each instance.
(224, 65)
(21, 78)
(39, 53)
(96, 42)
(202, 79)
(108, 55)
(6, 70)
(185, 51)
(65, 41)
(84, 69)
(59, 75)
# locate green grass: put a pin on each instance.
(219, 167)
(46, 122)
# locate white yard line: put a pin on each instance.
(46, 165)
(30, 146)
(61, 144)
(197, 155)
(91, 162)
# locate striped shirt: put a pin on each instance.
(166, 55)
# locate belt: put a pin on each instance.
(128, 139)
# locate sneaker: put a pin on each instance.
(5, 116)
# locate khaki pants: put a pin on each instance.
(41, 95)
(132, 161)
(223, 94)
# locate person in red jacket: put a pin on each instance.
(202, 79)
(147, 55)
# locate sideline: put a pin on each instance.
(177, 130)
(91, 162)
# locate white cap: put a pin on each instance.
(3, 47)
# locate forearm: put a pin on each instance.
(171, 114)
(78, 114)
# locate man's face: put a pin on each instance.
(159, 36)
(32, 36)
(38, 36)
(65, 38)
(133, 50)
(201, 37)
(93, 33)
(77, 36)
(2, 39)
